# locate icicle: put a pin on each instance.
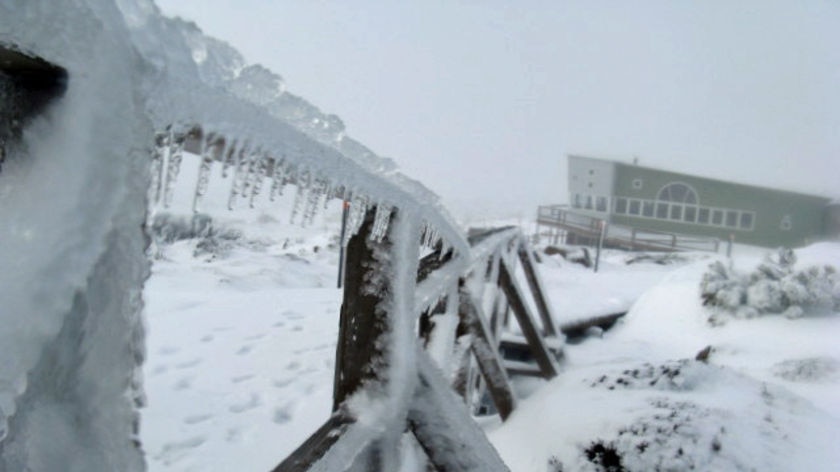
(261, 171)
(176, 149)
(303, 183)
(236, 181)
(203, 172)
(329, 193)
(317, 192)
(380, 222)
(278, 179)
(358, 206)
(158, 168)
(228, 157)
(445, 248)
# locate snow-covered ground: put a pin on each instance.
(241, 340)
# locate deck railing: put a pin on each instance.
(391, 377)
(588, 228)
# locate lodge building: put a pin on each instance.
(652, 199)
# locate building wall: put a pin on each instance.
(591, 184)
(754, 215)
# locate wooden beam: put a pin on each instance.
(487, 355)
(362, 327)
(317, 445)
(526, 322)
(447, 433)
(537, 289)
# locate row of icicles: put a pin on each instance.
(249, 168)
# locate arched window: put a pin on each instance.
(677, 192)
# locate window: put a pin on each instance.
(786, 223)
(703, 216)
(637, 184)
(577, 203)
(591, 172)
(621, 205)
(589, 202)
(676, 212)
(677, 192)
(717, 217)
(746, 220)
(647, 209)
(690, 213)
(635, 207)
(662, 210)
(731, 218)
(601, 203)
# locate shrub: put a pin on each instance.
(775, 286)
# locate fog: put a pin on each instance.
(481, 101)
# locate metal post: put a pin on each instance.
(603, 224)
(729, 246)
(345, 210)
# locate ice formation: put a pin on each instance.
(142, 90)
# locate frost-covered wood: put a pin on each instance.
(449, 436)
(513, 292)
(526, 257)
(487, 355)
(362, 326)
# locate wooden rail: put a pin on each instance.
(431, 411)
(588, 228)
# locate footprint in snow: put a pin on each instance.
(195, 419)
(183, 383)
(282, 414)
(207, 338)
(242, 407)
(294, 365)
(188, 364)
(283, 383)
(244, 349)
(255, 337)
(173, 451)
(279, 324)
(241, 378)
(292, 315)
(160, 369)
(168, 350)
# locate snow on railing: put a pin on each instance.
(142, 90)
(387, 379)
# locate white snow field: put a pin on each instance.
(241, 344)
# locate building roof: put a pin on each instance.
(828, 200)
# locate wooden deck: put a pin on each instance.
(577, 228)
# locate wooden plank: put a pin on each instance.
(526, 322)
(317, 445)
(447, 433)
(537, 289)
(484, 349)
(361, 327)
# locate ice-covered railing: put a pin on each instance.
(416, 343)
(141, 90)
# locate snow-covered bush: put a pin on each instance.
(211, 239)
(773, 287)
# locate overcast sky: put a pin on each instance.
(482, 100)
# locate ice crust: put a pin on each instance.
(73, 205)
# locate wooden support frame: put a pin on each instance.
(487, 354)
(542, 355)
(451, 439)
(444, 429)
(361, 325)
(537, 290)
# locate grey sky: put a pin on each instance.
(482, 100)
